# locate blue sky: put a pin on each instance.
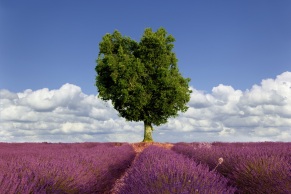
(237, 44)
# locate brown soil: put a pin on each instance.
(139, 147)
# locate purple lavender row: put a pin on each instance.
(158, 170)
(252, 167)
(62, 168)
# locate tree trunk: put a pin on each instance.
(148, 132)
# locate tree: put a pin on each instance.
(142, 79)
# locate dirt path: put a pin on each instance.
(138, 148)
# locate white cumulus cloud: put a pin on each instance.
(262, 113)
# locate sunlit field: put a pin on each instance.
(125, 168)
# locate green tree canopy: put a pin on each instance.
(142, 79)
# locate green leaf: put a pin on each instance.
(142, 78)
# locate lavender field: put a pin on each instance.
(124, 168)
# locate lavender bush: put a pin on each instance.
(263, 175)
(158, 170)
(201, 153)
(187, 168)
(62, 168)
(252, 167)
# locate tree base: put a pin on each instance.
(148, 140)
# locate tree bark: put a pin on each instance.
(148, 132)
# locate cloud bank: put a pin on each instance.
(262, 113)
